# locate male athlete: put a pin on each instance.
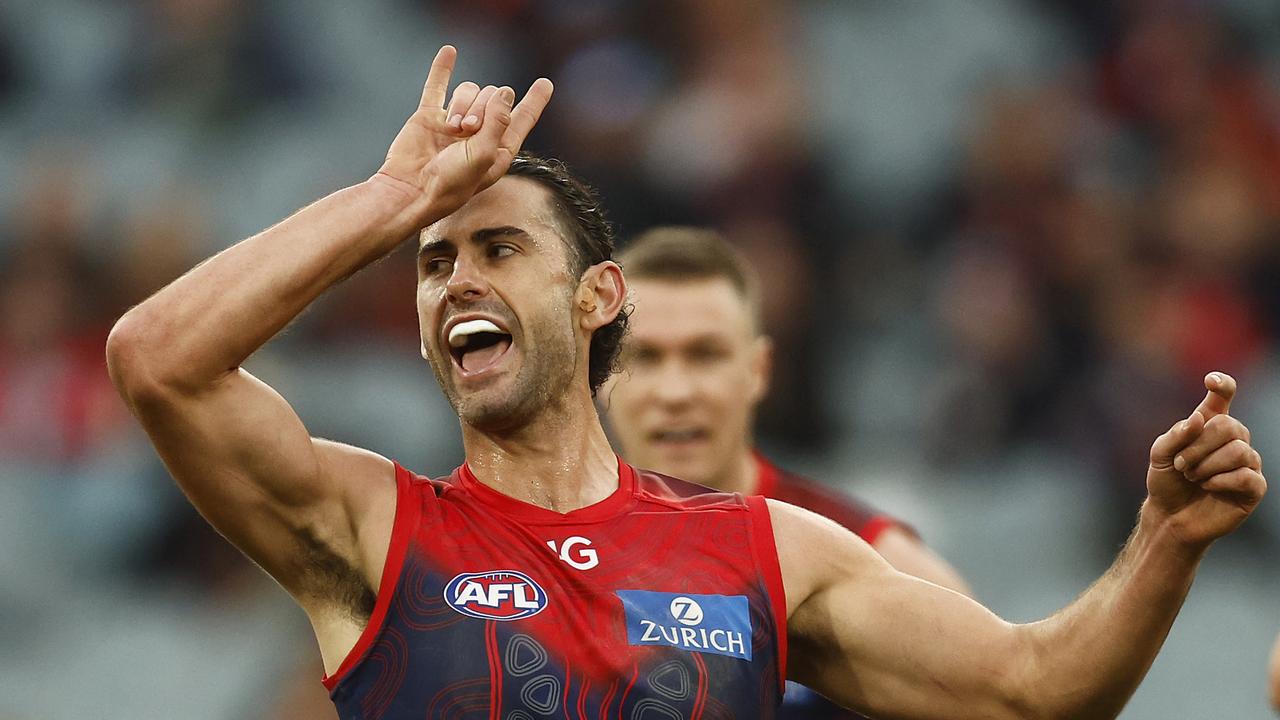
(545, 577)
(695, 364)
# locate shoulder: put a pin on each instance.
(364, 479)
(797, 532)
(658, 489)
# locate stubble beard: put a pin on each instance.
(505, 405)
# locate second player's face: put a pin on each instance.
(494, 291)
(693, 370)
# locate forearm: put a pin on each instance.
(210, 320)
(1087, 660)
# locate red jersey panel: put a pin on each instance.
(664, 600)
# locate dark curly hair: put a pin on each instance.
(590, 239)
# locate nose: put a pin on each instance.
(466, 283)
(674, 384)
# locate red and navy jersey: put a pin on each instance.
(858, 517)
(864, 521)
(664, 600)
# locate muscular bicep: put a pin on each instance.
(881, 641)
(244, 458)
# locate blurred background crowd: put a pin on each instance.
(1001, 241)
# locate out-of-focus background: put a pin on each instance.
(1002, 241)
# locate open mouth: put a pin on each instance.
(477, 345)
(679, 437)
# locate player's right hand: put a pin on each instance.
(1205, 477)
(447, 155)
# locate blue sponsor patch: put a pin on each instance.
(719, 624)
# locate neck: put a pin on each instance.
(740, 476)
(561, 460)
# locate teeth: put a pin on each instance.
(458, 334)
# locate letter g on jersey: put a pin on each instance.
(576, 552)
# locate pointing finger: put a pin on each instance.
(1222, 389)
(437, 87)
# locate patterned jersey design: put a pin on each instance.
(661, 602)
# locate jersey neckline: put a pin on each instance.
(611, 506)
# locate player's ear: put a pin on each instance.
(424, 350)
(761, 367)
(602, 291)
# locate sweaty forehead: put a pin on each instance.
(679, 309)
(511, 202)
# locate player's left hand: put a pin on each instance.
(1205, 478)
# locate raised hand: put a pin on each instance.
(1204, 477)
(449, 155)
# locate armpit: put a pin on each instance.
(328, 577)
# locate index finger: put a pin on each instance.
(437, 87)
(1182, 434)
(1222, 389)
(526, 113)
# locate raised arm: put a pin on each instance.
(895, 647)
(310, 512)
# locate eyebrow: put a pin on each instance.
(479, 236)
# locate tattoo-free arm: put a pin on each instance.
(900, 648)
(890, 645)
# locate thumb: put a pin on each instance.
(1222, 389)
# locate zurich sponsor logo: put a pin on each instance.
(495, 595)
(719, 624)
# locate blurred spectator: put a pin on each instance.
(56, 403)
(211, 60)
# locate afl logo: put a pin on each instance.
(495, 595)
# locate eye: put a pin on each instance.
(707, 354)
(500, 250)
(437, 265)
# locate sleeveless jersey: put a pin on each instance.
(662, 601)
